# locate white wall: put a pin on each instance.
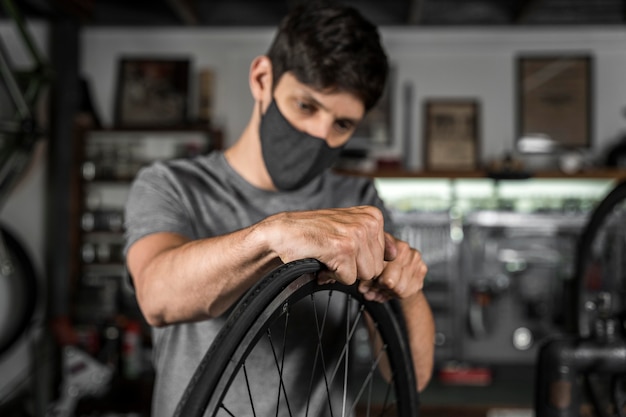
(481, 63)
(228, 52)
(468, 62)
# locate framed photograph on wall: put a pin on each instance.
(152, 92)
(451, 134)
(554, 98)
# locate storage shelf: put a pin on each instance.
(106, 161)
(617, 174)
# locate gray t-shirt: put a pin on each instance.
(204, 197)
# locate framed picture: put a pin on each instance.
(152, 92)
(554, 99)
(451, 132)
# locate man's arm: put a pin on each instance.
(421, 329)
(177, 279)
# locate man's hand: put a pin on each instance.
(351, 242)
(403, 274)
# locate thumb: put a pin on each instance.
(391, 250)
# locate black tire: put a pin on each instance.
(262, 307)
(22, 285)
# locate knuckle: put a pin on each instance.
(343, 246)
(374, 216)
(388, 281)
(361, 231)
(403, 246)
(379, 218)
(376, 213)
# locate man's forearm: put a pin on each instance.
(181, 280)
(421, 332)
(195, 280)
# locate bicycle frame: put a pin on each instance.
(18, 137)
(21, 133)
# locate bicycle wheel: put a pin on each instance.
(262, 363)
(600, 295)
(18, 291)
(600, 268)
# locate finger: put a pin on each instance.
(371, 295)
(389, 279)
(370, 262)
(377, 295)
(395, 281)
(371, 244)
(346, 272)
(365, 286)
(391, 249)
(326, 277)
(368, 289)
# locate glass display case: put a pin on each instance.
(500, 254)
(501, 257)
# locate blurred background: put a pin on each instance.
(501, 132)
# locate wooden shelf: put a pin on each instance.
(604, 173)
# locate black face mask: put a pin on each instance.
(293, 158)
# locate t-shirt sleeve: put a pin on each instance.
(154, 204)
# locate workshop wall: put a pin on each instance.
(438, 62)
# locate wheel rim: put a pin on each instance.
(292, 302)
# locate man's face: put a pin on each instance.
(332, 116)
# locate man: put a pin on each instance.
(200, 232)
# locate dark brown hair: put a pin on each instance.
(331, 47)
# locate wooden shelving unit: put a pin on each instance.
(103, 310)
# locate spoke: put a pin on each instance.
(368, 379)
(345, 347)
(223, 407)
(245, 374)
(319, 352)
(282, 360)
(346, 360)
(281, 385)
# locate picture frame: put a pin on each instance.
(152, 92)
(555, 98)
(451, 134)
